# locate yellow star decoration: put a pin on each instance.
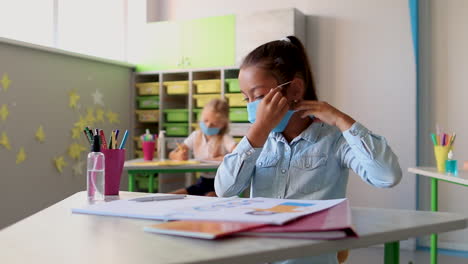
(4, 112)
(81, 124)
(76, 132)
(112, 117)
(74, 97)
(21, 156)
(4, 141)
(40, 135)
(5, 82)
(59, 163)
(99, 115)
(90, 117)
(74, 150)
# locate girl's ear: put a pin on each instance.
(296, 90)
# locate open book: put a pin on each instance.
(201, 229)
(331, 223)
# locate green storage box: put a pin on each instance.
(148, 102)
(197, 114)
(176, 129)
(176, 115)
(238, 115)
(142, 182)
(233, 85)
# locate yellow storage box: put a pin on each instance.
(177, 87)
(202, 99)
(148, 88)
(236, 99)
(207, 86)
(148, 115)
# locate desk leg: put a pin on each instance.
(151, 183)
(131, 182)
(392, 253)
(434, 208)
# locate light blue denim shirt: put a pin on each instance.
(314, 165)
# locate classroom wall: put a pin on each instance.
(39, 95)
(442, 100)
(362, 57)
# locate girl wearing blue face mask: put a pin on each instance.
(210, 142)
(298, 147)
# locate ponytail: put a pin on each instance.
(285, 60)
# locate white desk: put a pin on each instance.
(55, 235)
(431, 172)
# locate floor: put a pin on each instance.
(375, 255)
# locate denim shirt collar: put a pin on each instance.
(310, 134)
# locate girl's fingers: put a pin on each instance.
(270, 95)
(276, 98)
(283, 102)
(307, 113)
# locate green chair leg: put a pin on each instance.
(131, 182)
(392, 253)
(151, 183)
(434, 208)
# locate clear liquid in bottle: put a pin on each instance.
(95, 173)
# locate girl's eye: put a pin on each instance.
(259, 97)
(246, 100)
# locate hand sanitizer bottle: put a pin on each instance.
(95, 172)
(162, 145)
(451, 164)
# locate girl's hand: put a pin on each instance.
(326, 113)
(271, 110)
(179, 154)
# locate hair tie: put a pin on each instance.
(286, 39)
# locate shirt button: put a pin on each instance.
(353, 132)
(283, 171)
(260, 163)
(249, 152)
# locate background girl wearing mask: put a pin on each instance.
(210, 142)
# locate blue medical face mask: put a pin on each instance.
(252, 113)
(209, 131)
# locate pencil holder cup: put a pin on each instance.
(148, 150)
(114, 161)
(441, 155)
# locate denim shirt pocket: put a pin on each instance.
(307, 173)
(265, 172)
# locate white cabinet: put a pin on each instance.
(255, 29)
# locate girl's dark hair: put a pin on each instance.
(284, 59)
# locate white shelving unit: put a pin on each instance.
(183, 101)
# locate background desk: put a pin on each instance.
(55, 235)
(431, 172)
(133, 169)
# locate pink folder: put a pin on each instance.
(332, 223)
